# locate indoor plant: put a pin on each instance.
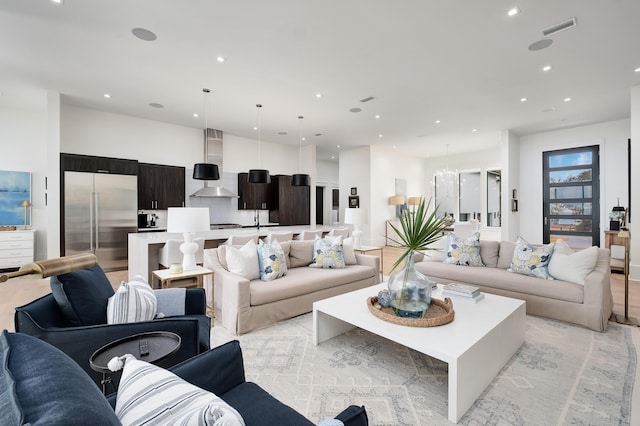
(409, 290)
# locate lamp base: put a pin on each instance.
(620, 319)
(356, 234)
(188, 249)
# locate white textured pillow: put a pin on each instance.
(244, 260)
(152, 395)
(347, 249)
(567, 265)
(134, 301)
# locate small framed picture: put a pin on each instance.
(354, 191)
(354, 201)
(514, 194)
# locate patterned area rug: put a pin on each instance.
(563, 374)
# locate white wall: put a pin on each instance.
(612, 140)
(355, 171)
(22, 148)
(635, 185)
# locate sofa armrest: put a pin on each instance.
(597, 285)
(371, 261)
(195, 302)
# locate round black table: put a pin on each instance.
(151, 347)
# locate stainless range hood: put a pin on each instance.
(213, 155)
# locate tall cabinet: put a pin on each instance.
(290, 204)
(160, 187)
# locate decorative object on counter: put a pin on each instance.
(355, 217)
(441, 312)
(354, 201)
(617, 218)
(384, 299)
(176, 268)
(410, 291)
(259, 175)
(399, 202)
(187, 220)
(300, 179)
(26, 204)
(7, 228)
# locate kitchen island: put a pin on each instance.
(143, 246)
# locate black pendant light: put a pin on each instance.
(259, 175)
(206, 171)
(300, 179)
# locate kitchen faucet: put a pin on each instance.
(256, 219)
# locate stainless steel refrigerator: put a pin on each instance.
(100, 210)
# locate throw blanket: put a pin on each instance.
(171, 302)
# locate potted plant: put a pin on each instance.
(409, 290)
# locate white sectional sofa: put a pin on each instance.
(589, 305)
(244, 305)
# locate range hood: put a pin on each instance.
(213, 155)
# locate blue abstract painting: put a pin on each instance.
(15, 187)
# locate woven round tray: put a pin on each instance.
(440, 312)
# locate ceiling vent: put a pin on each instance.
(569, 23)
(367, 99)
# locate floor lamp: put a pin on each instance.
(626, 236)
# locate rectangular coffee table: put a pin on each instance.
(476, 345)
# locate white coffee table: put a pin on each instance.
(476, 345)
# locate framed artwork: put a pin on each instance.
(15, 187)
(354, 201)
(354, 191)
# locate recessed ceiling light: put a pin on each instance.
(474, 130)
(57, 1)
(514, 11)
(333, 157)
(337, 146)
(394, 147)
(304, 139)
(106, 95)
(156, 105)
(380, 135)
(546, 68)
(195, 115)
(318, 95)
(637, 70)
(220, 59)
(437, 121)
(523, 99)
(567, 99)
(377, 115)
(255, 128)
(144, 34)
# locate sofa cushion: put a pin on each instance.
(328, 254)
(505, 254)
(347, 249)
(531, 260)
(134, 301)
(82, 295)
(463, 251)
(243, 261)
(303, 281)
(46, 386)
(301, 253)
(271, 259)
(152, 395)
(489, 252)
(567, 265)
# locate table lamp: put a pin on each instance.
(355, 217)
(187, 220)
(399, 202)
(26, 204)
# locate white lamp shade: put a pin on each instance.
(355, 216)
(188, 219)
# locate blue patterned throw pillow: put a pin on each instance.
(531, 260)
(328, 254)
(273, 264)
(464, 252)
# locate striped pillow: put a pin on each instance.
(133, 302)
(152, 395)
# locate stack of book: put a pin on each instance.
(462, 292)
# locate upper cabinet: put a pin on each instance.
(92, 164)
(290, 204)
(253, 196)
(160, 187)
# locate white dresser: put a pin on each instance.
(16, 248)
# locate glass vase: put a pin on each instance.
(409, 291)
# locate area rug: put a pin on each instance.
(562, 375)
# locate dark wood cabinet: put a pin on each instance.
(92, 164)
(290, 204)
(160, 186)
(253, 196)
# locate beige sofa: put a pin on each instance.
(243, 305)
(590, 305)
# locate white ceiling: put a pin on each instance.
(465, 63)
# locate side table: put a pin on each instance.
(365, 249)
(190, 278)
(151, 347)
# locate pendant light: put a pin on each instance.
(206, 171)
(259, 175)
(300, 179)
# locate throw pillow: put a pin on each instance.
(531, 260)
(567, 265)
(271, 259)
(82, 295)
(134, 301)
(152, 395)
(347, 249)
(42, 385)
(244, 260)
(463, 251)
(328, 254)
(301, 253)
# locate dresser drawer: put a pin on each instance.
(16, 236)
(17, 244)
(18, 252)
(15, 262)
